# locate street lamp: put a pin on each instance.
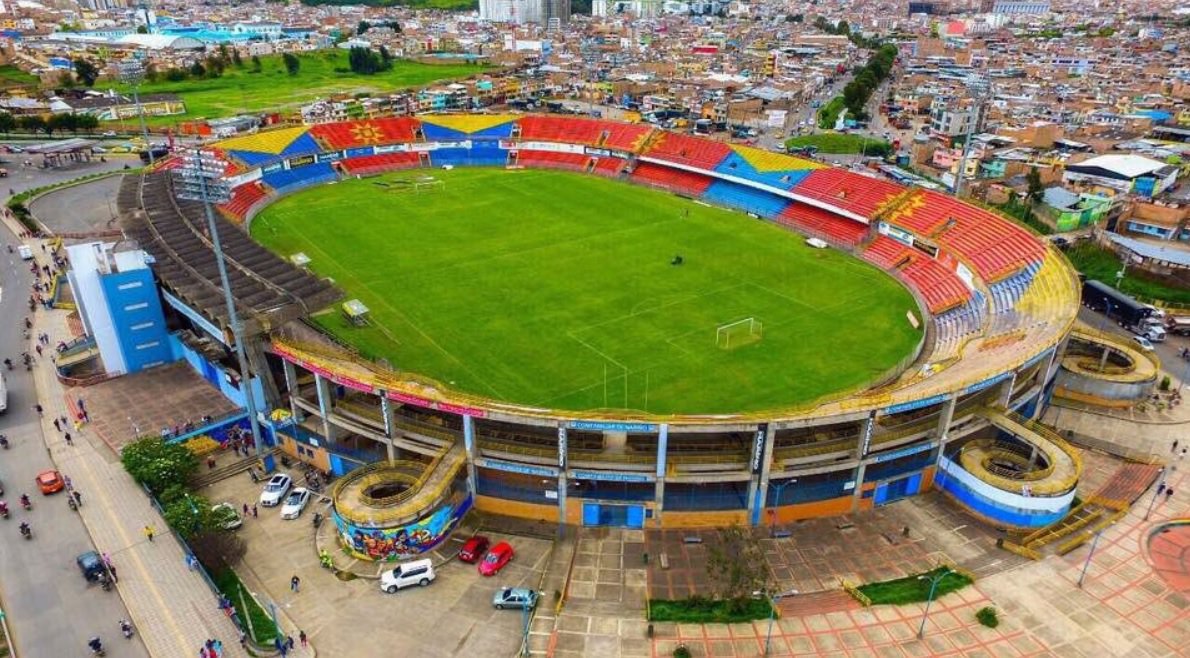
(777, 499)
(200, 178)
(934, 580)
(132, 72)
(773, 598)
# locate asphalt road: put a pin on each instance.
(50, 609)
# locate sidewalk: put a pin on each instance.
(173, 609)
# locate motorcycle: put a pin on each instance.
(26, 503)
(4, 509)
(8, 363)
(317, 520)
(26, 531)
(4, 441)
(96, 647)
(73, 505)
(126, 629)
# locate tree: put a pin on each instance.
(197, 70)
(218, 550)
(87, 72)
(141, 29)
(794, 18)
(224, 54)
(1036, 188)
(386, 58)
(236, 59)
(190, 515)
(292, 64)
(365, 61)
(215, 66)
(156, 464)
(736, 566)
(256, 64)
(363, 26)
(87, 122)
(7, 122)
(32, 123)
(63, 122)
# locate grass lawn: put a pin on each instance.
(911, 589)
(262, 623)
(556, 289)
(833, 142)
(707, 611)
(11, 76)
(829, 113)
(1102, 264)
(241, 90)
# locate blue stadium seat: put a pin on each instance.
(745, 198)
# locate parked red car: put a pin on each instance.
(500, 555)
(473, 549)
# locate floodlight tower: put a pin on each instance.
(200, 178)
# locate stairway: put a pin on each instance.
(241, 465)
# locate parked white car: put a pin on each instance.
(275, 490)
(416, 572)
(1143, 343)
(295, 503)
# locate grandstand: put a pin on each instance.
(998, 302)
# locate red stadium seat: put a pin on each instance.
(675, 180)
(242, 200)
(374, 164)
(693, 151)
(589, 132)
(843, 189)
(823, 223)
(366, 132)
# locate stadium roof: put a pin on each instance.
(1150, 251)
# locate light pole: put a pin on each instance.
(132, 72)
(773, 598)
(934, 580)
(200, 178)
(1087, 564)
(777, 500)
(1156, 492)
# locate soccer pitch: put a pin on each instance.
(559, 290)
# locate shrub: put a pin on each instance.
(988, 617)
(682, 652)
(1165, 383)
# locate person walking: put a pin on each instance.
(58, 428)
(245, 510)
(289, 642)
(149, 531)
(38, 409)
(254, 514)
(69, 439)
(302, 639)
(295, 583)
(1175, 441)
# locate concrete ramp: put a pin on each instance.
(1052, 468)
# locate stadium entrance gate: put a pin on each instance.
(618, 516)
(887, 492)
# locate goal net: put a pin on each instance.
(739, 333)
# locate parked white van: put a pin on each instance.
(417, 572)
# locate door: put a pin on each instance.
(590, 514)
(636, 516)
(887, 492)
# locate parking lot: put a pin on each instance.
(451, 617)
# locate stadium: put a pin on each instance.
(581, 321)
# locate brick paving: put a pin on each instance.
(147, 401)
(171, 606)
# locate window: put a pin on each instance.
(136, 307)
(130, 285)
(142, 325)
(149, 345)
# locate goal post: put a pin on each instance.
(739, 333)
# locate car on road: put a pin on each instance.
(298, 498)
(226, 516)
(275, 490)
(417, 572)
(474, 549)
(500, 555)
(50, 482)
(108, 133)
(1143, 343)
(517, 598)
(91, 565)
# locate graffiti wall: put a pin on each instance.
(403, 542)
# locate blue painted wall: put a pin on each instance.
(137, 319)
(218, 378)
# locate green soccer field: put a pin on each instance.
(557, 290)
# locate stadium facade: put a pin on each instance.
(999, 305)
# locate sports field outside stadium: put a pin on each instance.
(560, 290)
